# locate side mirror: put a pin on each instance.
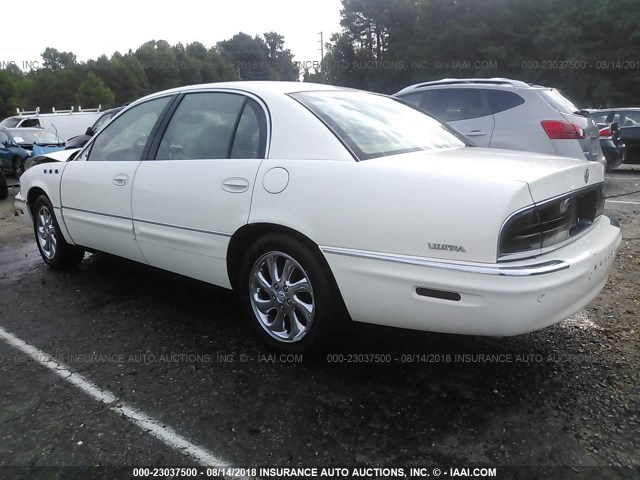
(89, 131)
(4, 143)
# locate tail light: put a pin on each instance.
(562, 130)
(552, 222)
(605, 132)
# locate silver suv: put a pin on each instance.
(503, 113)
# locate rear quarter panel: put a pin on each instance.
(380, 207)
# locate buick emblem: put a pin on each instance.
(586, 176)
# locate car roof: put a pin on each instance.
(13, 130)
(617, 109)
(471, 82)
(256, 87)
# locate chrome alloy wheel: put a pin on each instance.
(46, 232)
(282, 297)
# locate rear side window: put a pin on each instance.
(450, 105)
(501, 101)
(213, 125)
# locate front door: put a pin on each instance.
(96, 186)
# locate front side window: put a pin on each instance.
(374, 125)
(124, 139)
(452, 104)
(600, 117)
(211, 125)
(101, 122)
(31, 122)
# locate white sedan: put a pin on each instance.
(319, 204)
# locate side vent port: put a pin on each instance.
(440, 294)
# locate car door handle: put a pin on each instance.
(121, 179)
(235, 185)
(476, 133)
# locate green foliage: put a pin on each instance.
(386, 45)
(154, 66)
(93, 92)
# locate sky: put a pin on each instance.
(90, 29)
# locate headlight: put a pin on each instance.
(551, 222)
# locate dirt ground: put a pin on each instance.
(563, 402)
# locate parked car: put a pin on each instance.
(80, 140)
(624, 117)
(509, 114)
(17, 144)
(628, 121)
(631, 138)
(311, 201)
(613, 148)
(64, 123)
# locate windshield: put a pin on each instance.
(10, 122)
(375, 126)
(30, 137)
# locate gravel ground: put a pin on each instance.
(567, 396)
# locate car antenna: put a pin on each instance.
(57, 136)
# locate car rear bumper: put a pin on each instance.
(475, 299)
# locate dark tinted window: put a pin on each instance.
(449, 105)
(250, 138)
(202, 127)
(499, 100)
(124, 139)
(4, 137)
(417, 99)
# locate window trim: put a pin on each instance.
(264, 120)
(86, 152)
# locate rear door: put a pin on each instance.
(465, 109)
(197, 190)
(96, 186)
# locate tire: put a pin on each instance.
(54, 249)
(4, 189)
(288, 294)
(18, 167)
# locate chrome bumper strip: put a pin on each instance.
(485, 269)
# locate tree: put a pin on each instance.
(55, 60)
(94, 92)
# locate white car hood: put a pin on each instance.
(547, 175)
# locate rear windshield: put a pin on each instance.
(375, 126)
(558, 101)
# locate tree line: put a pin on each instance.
(63, 81)
(590, 49)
